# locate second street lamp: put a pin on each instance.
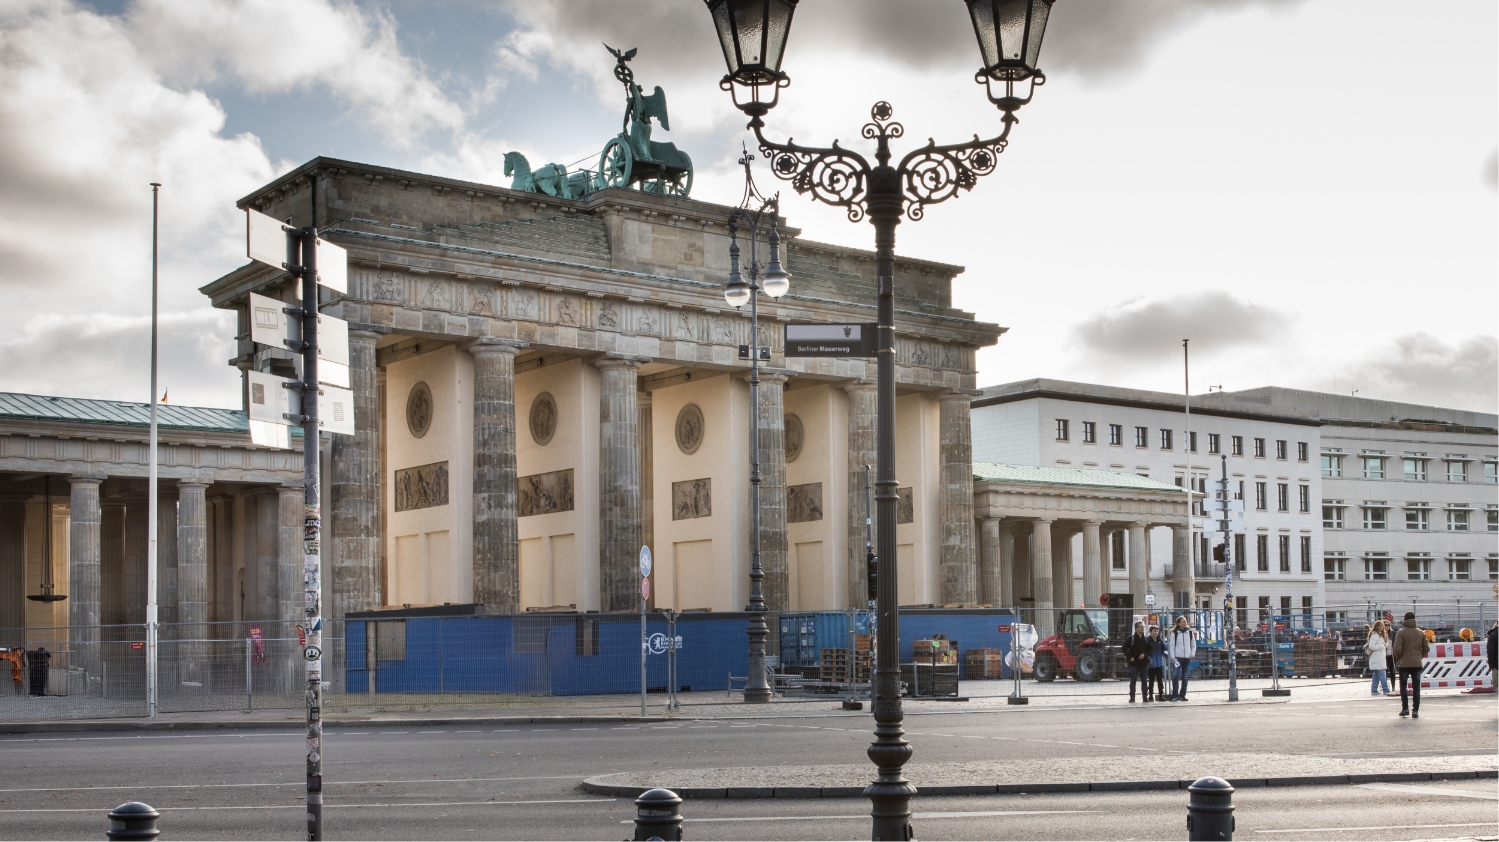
(753, 36)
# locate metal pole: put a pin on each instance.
(312, 579)
(756, 687)
(642, 653)
(151, 500)
(249, 676)
(1228, 580)
(1183, 598)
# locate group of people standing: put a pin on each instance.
(1405, 653)
(1150, 656)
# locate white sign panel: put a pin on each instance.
(333, 374)
(332, 340)
(266, 434)
(332, 266)
(270, 401)
(335, 410)
(645, 561)
(269, 325)
(265, 239)
(1214, 504)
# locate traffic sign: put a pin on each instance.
(645, 561)
(830, 340)
(645, 588)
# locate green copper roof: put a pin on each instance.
(121, 413)
(995, 472)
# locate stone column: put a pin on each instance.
(192, 580)
(861, 451)
(959, 568)
(112, 565)
(1139, 563)
(1041, 576)
(291, 606)
(137, 534)
(83, 574)
(991, 578)
(223, 596)
(13, 587)
(1181, 565)
(496, 495)
(619, 483)
(166, 556)
(353, 556)
(773, 561)
(1061, 568)
(1008, 596)
(1095, 576)
(261, 604)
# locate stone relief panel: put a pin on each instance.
(692, 498)
(905, 507)
(543, 418)
(683, 327)
(385, 286)
(482, 300)
(690, 429)
(804, 503)
(419, 410)
(722, 332)
(647, 321)
(523, 304)
(609, 315)
(542, 494)
(422, 487)
(795, 437)
(568, 311)
(437, 296)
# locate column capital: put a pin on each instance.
(86, 479)
(954, 395)
(862, 385)
(616, 360)
(771, 375)
(495, 345)
(192, 485)
(364, 328)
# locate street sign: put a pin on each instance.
(645, 561)
(271, 325)
(332, 340)
(1004, 629)
(1214, 504)
(332, 266)
(1150, 599)
(266, 434)
(829, 340)
(332, 374)
(265, 239)
(270, 400)
(335, 410)
(645, 588)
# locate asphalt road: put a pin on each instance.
(523, 782)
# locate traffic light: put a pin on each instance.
(872, 573)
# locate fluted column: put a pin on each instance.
(166, 556)
(991, 587)
(1181, 565)
(83, 572)
(192, 579)
(355, 527)
(1041, 575)
(263, 606)
(1095, 578)
(137, 544)
(959, 564)
(13, 587)
(772, 422)
(1061, 568)
(619, 483)
(861, 452)
(496, 495)
(1139, 564)
(291, 602)
(1007, 594)
(112, 565)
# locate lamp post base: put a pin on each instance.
(756, 689)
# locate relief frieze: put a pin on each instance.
(542, 494)
(804, 503)
(422, 487)
(692, 498)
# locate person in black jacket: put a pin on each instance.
(1494, 649)
(1137, 655)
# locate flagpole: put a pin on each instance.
(151, 507)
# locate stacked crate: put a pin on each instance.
(984, 663)
(843, 666)
(936, 651)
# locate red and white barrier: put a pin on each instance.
(1456, 665)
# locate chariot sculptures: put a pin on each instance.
(631, 159)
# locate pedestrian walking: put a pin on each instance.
(1377, 648)
(1181, 646)
(1137, 656)
(1411, 648)
(1155, 682)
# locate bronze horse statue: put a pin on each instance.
(551, 179)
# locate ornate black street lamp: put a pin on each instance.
(753, 36)
(774, 281)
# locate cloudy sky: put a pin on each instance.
(1305, 188)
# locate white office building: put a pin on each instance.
(1409, 505)
(1271, 461)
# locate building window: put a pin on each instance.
(1306, 554)
(1118, 550)
(1306, 606)
(1376, 517)
(1215, 443)
(1337, 618)
(1061, 429)
(1493, 515)
(1240, 558)
(1418, 569)
(1166, 440)
(1237, 443)
(1142, 437)
(1415, 470)
(1283, 496)
(1285, 606)
(1335, 569)
(1457, 520)
(1377, 569)
(1262, 553)
(1373, 467)
(1239, 495)
(1303, 453)
(1280, 448)
(1332, 465)
(1192, 441)
(1259, 448)
(1332, 517)
(1259, 496)
(1285, 554)
(1304, 497)
(1457, 471)
(1264, 609)
(1491, 472)
(1417, 519)
(1459, 569)
(1090, 432)
(1493, 569)
(1116, 434)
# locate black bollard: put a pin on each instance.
(1210, 810)
(658, 815)
(133, 820)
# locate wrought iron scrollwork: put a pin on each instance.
(934, 174)
(833, 176)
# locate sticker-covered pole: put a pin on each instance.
(312, 579)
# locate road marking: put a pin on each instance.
(865, 816)
(326, 783)
(1381, 827)
(476, 732)
(582, 729)
(325, 806)
(1067, 743)
(546, 729)
(431, 732)
(1433, 790)
(505, 730)
(1102, 745)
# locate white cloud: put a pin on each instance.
(1420, 368)
(1148, 331)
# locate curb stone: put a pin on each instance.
(597, 787)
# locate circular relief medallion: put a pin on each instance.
(794, 437)
(419, 410)
(690, 429)
(543, 418)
